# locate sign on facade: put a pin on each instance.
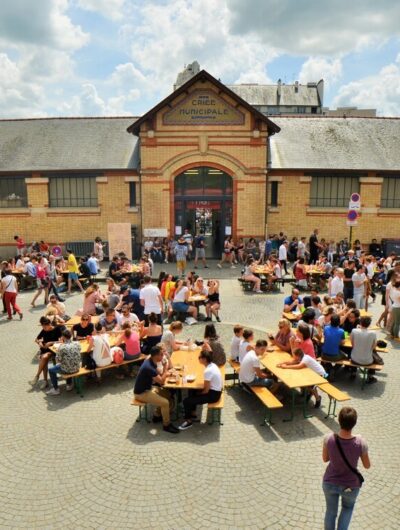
(155, 232)
(203, 107)
(119, 239)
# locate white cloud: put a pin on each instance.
(112, 9)
(381, 91)
(316, 68)
(314, 27)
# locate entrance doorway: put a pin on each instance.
(203, 204)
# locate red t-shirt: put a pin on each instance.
(20, 243)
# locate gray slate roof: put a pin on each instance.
(336, 143)
(260, 95)
(67, 143)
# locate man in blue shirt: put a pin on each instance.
(92, 264)
(268, 247)
(146, 392)
(333, 339)
(293, 303)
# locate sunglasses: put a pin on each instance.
(84, 319)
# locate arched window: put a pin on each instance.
(202, 182)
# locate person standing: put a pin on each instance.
(181, 252)
(359, 280)
(200, 249)
(21, 247)
(394, 294)
(98, 249)
(348, 271)
(9, 290)
(342, 480)
(73, 271)
(283, 255)
(314, 246)
(188, 239)
(151, 300)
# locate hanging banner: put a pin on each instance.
(119, 239)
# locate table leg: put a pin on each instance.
(305, 401)
(292, 403)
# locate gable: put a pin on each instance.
(203, 107)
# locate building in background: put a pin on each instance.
(349, 112)
(205, 159)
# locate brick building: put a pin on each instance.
(203, 158)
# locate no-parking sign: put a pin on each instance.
(352, 217)
(355, 202)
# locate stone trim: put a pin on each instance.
(371, 180)
(305, 179)
(101, 180)
(37, 180)
(133, 209)
(132, 178)
(275, 178)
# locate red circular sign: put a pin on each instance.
(355, 197)
(352, 215)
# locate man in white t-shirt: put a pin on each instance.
(151, 300)
(283, 255)
(9, 289)
(336, 284)
(250, 372)
(301, 248)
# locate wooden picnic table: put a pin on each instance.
(76, 319)
(292, 317)
(263, 270)
(364, 313)
(189, 360)
(197, 298)
(291, 378)
(85, 344)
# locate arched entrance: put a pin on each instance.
(204, 203)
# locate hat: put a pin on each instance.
(181, 240)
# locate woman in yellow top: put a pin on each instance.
(73, 271)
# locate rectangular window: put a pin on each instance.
(75, 191)
(333, 191)
(132, 194)
(13, 193)
(390, 196)
(273, 193)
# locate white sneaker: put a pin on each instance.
(258, 292)
(53, 392)
(233, 267)
(219, 265)
(185, 425)
(69, 387)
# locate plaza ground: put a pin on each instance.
(86, 463)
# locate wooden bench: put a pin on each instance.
(363, 369)
(268, 399)
(78, 376)
(215, 409)
(235, 365)
(143, 410)
(335, 395)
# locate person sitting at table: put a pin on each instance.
(200, 288)
(68, 361)
(152, 333)
(91, 298)
(249, 276)
(307, 298)
(327, 301)
(276, 273)
(211, 340)
(250, 372)
(339, 302)
(325, 319)
(109, 321)
(333, 339)
(59, 307)
(301, 360)
(308, 317)
(282, 339)
(293, 303)
(300, 273)
(113, 269)
(169, 337)
(19, 263)
(84, 329)
(245, 345)
(93, 265)
(99, 344)
(350, 320)
(316, 306)
(210, 393)
(180, 301)
(146, 391)
(363, 341)
(302, 340)
(213, 304)
(166, 363)
(130, 339)
(126, 316)
(235, 342)
(45, 340)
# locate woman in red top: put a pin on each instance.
(300, 273)
(303, 340)
(42, 281)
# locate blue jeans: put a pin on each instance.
(259, 381)
(332, 494)
(53, 371)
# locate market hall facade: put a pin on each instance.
(203, 159)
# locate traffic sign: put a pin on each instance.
(352, 217)
(355, 202)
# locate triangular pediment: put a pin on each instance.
(196, 102)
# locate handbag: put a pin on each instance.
(353, 469)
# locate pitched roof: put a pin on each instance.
(67, 143)
(266, 95)
(336, 143)
(202, 76)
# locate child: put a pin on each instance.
(236, 340)
(300, 360)
(245, 343)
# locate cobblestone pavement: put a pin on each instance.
(68, 462)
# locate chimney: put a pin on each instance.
(278, 92)
(296, 86)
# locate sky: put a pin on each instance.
(121, 57)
